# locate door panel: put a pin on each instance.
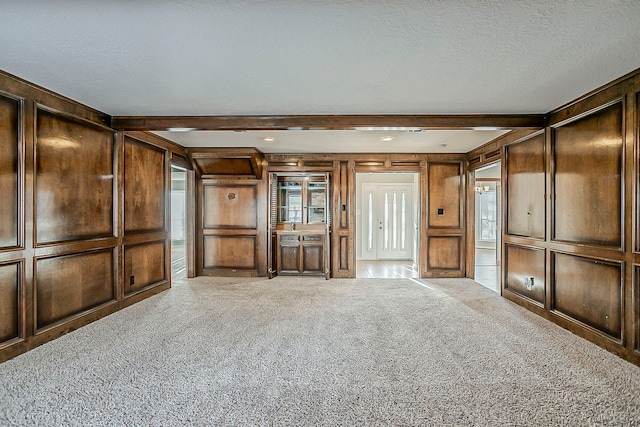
(388, 221)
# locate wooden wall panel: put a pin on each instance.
(71, 284)
(525, 263)
(227, 162)
(230, 206)
(442, 246)
(234, 252)
(144, 265)
(343, 199)
(525, 192)
(62, 214)
(9, 142)
(444, 181)
(588, 158)
(74, 180)
(10, 307)
(589, 291)
(344, 252)
(444, 253)
(636, 309)
(225, 166)
(144, 189)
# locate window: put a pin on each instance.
(488, 215)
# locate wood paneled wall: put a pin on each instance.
(231, 212)
(83, 218)
(570, 235)
(442, 186)
(444, 246)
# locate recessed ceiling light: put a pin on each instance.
(180, 129)
(485, 128)
(268, 139)
(387, 138)
(387, 128)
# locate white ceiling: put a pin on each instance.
(339, 141)
(268, 57)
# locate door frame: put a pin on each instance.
(471, 217)
(417, 200)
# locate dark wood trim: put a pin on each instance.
(160, 142)
(492, 151)
(624, 82)
(329, 122)
(470, 243)
(599, 98)
(192, 215)
(78, 322)
(15, 86)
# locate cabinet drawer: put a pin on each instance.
(289, 238)
(313, 238)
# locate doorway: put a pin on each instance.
(488, 203)
(178, 223)
(387, 225)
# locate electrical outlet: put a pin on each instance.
(528, 282)
(132, 280)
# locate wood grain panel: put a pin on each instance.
(230, 206)
(289, 259)
(71, 284)
(74, 180)
(589, 291)
(443, 253)
(344, 195)
(9, 301)
(230, 252)
(227, 162)
(588, 178)
(144, 187)
(225, 166)
(444, 185)
(525, 263)
(344, 252)
(145, 263)
(525, 177)
(347, 121)
(9, 141)
(312, 258)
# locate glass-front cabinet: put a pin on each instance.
(299, 224)
(301, 199)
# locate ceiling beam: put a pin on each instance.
(329, 122)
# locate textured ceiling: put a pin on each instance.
(335, 141)
(273, 57)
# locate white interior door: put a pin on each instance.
(388, 221)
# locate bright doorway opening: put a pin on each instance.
(387, 218)
(488, 204)
(178, 223)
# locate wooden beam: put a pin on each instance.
(329, 122)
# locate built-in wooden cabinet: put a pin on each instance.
(299, 224)
(301, 252)
(301, 199)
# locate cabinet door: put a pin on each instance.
(316, 202)
(290, 200)
(288, 254)
(313, 254)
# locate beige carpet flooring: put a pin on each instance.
(306, 352)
